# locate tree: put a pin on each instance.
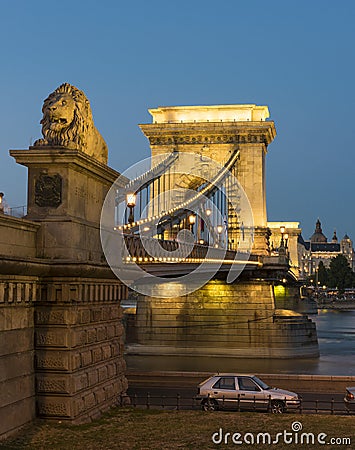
(340, 274)
(322, 274)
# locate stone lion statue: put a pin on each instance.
(67, 122)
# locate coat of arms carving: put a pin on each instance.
(48, 190)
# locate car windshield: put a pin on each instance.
(261, 383)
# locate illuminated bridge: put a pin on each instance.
(187, 230)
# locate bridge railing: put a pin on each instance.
(146, 250)
(17, 211)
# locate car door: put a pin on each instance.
(248, 390)
(224, 391)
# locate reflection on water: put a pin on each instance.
(336, 337)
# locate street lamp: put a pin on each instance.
(282, 230)
(286, 244)
(286, 240)
(1, 203)
(219, 231)
(131, 203)
(192, 221)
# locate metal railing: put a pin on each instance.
(17, 211)
(178, 402)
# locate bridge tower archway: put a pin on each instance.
(214, 133)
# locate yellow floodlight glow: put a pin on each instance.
(279, 291)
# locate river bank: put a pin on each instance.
(337, 304)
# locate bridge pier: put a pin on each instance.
(220, 319)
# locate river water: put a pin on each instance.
(336, 338)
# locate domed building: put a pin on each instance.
(318, 236)
(317, 249)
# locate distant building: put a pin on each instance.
(317, 249)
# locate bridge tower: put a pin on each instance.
(215, 132)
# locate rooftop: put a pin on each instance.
(212, 113)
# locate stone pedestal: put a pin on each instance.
(78, 346)
(66, 191)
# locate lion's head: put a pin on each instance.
(67, 121)
(59, 112)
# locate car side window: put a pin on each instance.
(225, 383)
(247, 384)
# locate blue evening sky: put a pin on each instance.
(297, 58)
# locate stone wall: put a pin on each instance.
(61, 349)
(17, 377)
(80, 371)
(17, 237)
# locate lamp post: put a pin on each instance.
(282, 230)
(192, 220)
(286, 244)
(219, 231)
(131, 203)
(206, 231)
(1, 203)
(286, 240)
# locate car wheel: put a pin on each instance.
(209, 405)
(277, 407)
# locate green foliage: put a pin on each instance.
(322, 274)
(340, 274)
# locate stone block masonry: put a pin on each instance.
(61, 349)
(79, 347)
(17, 375)
(219, 319)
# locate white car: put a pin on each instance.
(349, 399)
(244, 391)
